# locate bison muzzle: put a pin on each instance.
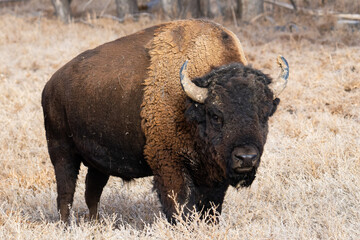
(122, 109)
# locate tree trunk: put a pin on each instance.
(171, 8)
(251, 8)
(212, 8)
(125, 7)
(62, 9)
(189, 8)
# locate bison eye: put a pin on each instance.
(216, 121)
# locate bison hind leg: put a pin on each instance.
(66, 165)
(95, 183)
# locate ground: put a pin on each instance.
(308, 184)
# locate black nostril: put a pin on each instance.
(245, 157)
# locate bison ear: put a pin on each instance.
(198, 94)
(203, 82)
(275, 104)
(195, 112)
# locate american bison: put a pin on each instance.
(123, 109)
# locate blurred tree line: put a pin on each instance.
(244, 10)
(175, 9)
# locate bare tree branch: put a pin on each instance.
(315, 12)
(294, 4)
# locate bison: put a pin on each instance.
(123, 109)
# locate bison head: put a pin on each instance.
(229, 110)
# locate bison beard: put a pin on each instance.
(242, 179)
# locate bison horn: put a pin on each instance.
(279, 84)
(198, 94)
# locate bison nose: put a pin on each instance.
(244, 158)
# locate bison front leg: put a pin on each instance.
(175, 191)
(95, 183)
(210, 200)
(178, 192)
(172, 192)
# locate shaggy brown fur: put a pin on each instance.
(92, 108)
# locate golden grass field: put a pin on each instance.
(308, 184)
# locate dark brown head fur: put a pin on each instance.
(234, 115)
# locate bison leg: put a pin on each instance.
(167, 197)
(176, 187)
(210, 202)
(66, 165)
(95, 182)
(174, 190)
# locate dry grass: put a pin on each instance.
(308, 185)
